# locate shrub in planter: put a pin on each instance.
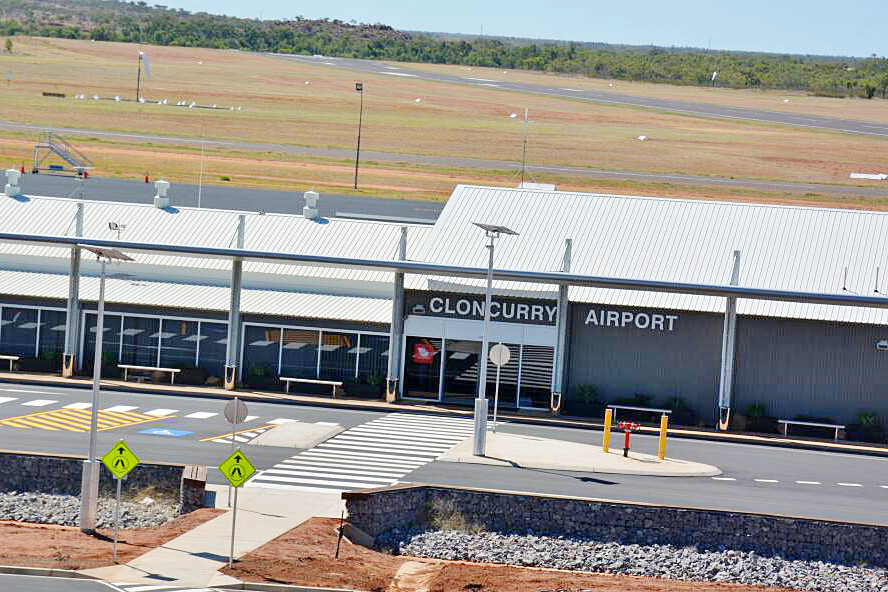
(867, 428)
(261, 376)
(585, 401)
(758, 420)
(39, 365)
(192, 375)
(369, 387)
(682, 414)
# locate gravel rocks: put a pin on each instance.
(42, 508)
(714, 563)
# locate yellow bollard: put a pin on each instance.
(608, 420)
(664, 426)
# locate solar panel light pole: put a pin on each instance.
(359, 87)
(492, 232)
(89, 484)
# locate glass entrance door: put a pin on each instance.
(422, 368)
(461, 371)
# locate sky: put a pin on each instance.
(849, 28)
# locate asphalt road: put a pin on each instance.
(695, 109)
(9, 583)
(235, 198)
(756, 478)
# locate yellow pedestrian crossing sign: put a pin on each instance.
(237, 469)
(120, 460)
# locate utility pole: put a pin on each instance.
(360, 88)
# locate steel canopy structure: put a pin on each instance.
(418, 267)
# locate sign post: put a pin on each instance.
(235, 413)
(120, 460)
(499, 356)
(237, 469)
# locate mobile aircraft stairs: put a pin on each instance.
(49, 143)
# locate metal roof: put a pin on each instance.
(783, 247)
(205, 298)
(213, 228)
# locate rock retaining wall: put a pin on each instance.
(39, 473)
(400, 507)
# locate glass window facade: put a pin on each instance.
(299, 353)
(110, 340)
(178, 343)
(141, 337)
(508, 383)
(373, 358)
(536, 376)
(18, 331)
(213, 347)
(422, 367)
(262, 348)
(52, 334)
(339, 356)
(461, 371)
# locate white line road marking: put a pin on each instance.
(280, 420)
(884, 486)
(39, 403)
(808, 482)
(30, 392)
(723, 479)
(78, 406)
(250, 418)
(201, 415)
(161, 412)
(121, 408)
(326, 423)
(850, 484)
(767, 481)
(8, 399)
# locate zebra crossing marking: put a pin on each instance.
(39, 403)
(377, 453)
(78, 420)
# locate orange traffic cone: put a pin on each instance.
(146, 177)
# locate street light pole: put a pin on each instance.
(480, 429)
(89, 485)
(360, 88)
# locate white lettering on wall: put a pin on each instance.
(625, 318)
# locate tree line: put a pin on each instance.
(109, 20)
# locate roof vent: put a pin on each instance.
(161, 200)
(310, 209)
(12, 183)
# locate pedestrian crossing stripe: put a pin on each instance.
(377, 453)
(240, 437)
(78, 420)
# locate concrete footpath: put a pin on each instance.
(195, 558)
(531, 452)
(534, 418)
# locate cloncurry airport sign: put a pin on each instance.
(471, 307)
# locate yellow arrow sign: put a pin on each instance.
(120, 460)
(237, 469)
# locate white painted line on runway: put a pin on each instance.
(766, 481)
(723, 479)
(808, 482)
(201, 415)
(281, 420)
(8, 399)
(77, 406)
(161, 412)
(121, 408)
(39, 403)
(404, 74)
(850, 484)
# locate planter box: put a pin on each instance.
(361, 390)
(39, 365)
(763, 425)
(862, 433)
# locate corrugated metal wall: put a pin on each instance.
(622, 361)
(811, 368)
(795, 367)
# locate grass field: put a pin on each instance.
(278, 107)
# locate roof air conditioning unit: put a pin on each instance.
(310, 209)
(12, 183)
(161, 200)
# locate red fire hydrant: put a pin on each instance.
(627, 427)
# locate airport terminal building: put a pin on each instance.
(362, 327)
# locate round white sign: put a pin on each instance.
(500, 355)
(235, 411)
